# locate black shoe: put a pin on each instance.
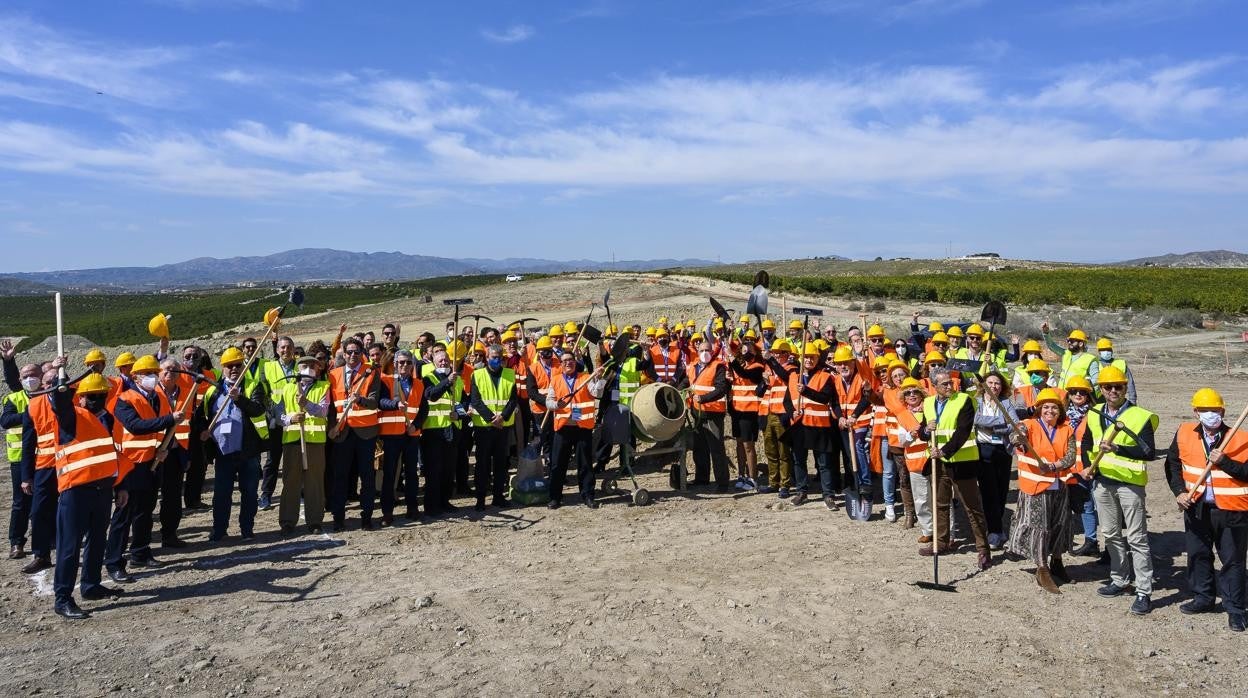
(17, 552)
(699, 483)
(339, 526)
(250, 535)
(120, 576)
(1142, 606)
(1192, 607)
(1089, 548)
(449, 508)
(69, 609)
(414, 516)
(172, 542)
(314, 530)
(1112, 589)
(591, 504)
(287, 529)
(799, 498)
(37, 564)
(366, 524)
(500, 502)
(99, 593)
(1235, 621)
(387, 520)
(480, 505)
(147, 561)
(266, 502)
(554, 504)
(1104, 558)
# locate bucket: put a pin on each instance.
(658, 412)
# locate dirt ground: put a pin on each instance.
(695, 594)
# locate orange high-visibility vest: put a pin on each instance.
(814, 414)
(849, 398)
(140, 448)
(666, 364)
(90, 457)
(43, 418)
(1078, 466)
(394, 422)
(359, 417)
(1228, 493)
(702, 384)
(1031, 479)
(581, 400)
(542, 377)
(744, 393)
(916, 452)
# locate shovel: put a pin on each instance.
(852, 495)
(756, 304)
(935, 584)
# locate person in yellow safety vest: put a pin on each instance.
(1105, 357)
(1215, 509)
(1118, 488)
(444, 391)
(494, 402)
(11, 417)
(949, 423)
(796, 340)
(303, 415)
(1075, 359)
(276, 374)
(975, 350)
(1030, 351)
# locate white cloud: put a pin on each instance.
(881, 10)
(302, 143)
(1114, 88)
(1134, 11)
(511, 35)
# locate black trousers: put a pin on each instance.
(82, 516)
(570, 442)
(437, 454)
(398, 449)
(463, 447)
(353, 454)
(994, 483)
(196, 472)
(270, 466)
(708, 449)
(43, 504)
(172, 477)
(136, 516)
(1208, 528)
(490, 472)
(19, 512)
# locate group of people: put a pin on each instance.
(937, 411)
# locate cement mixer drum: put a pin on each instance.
(658, 412)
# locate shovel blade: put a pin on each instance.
(964, 365)
(815, 312)
(933, 586)
(994, 312)
(864, 510)
(591, 334)
(720, 310)
(850, 498)
(757, 302)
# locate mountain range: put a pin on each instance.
(305, 266)
(1209, 258)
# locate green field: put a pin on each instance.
(1206, 290)
(114, 319)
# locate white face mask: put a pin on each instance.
(704, 357)
(147, 381)
(1211, 420)
(1107, 356)
(443, 370)
(308, 372)
(31, 384)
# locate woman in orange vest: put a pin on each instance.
(914, 455)
(1046, 453)
(1215, 508)
(746, 375)
(895, 406)
(708, 390)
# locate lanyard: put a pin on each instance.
(1049, 432)
(940, 409)
(571, 383)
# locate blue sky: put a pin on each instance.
(151, 131)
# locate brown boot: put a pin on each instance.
(1058, 569)
(1045, 580)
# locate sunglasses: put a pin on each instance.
(252, 347)
(402, 362)
(387, 333)
(352, 352)
(876, 340)
(1115, 387)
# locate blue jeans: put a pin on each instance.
(823, 463)
(889, 478)
(862, 442)
(82, 513)
(1088, 516)
(246, 471)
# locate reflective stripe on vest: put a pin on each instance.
(90, 457)
(440, 410)
(582, 401)
(1113, 465)
(630, 381)
(359, 417)
(947, 425)
(494, 396)
(703, 383)
(13, 435)
(1229, 494)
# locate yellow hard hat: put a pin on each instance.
(782, 345)
(718, 324)
(1079, 335)
(569, 327)
(663, 320)
(934, 357)
(744, 320)
(509, 336)
(612, 330)
(911, 383)
(650, 331)
(795, 324)
(875, 331)
(125, 358)
(821, 345)
(478, 347)
(1049, 395)
(93, 356)
(555, 331)
(457, 350)
(232, 355)
(881, 362)
(988, 336)
(514, 327)
(146, 364)
(697, 336)
(769, 324)
(1208, 399)
(749, 334)
(1078, 383)
(158, 326)
(935, 327)
(940, 338)
(661, 332)
(843, 354)
(1039, 365)
(1111, 375)
(895, 363)
(810, 350)
(690, 324)
(93, 383)
(271, 316)
(1032, 346)
(954, 331)
(544, 343)
(1104, 344)
(975, 329)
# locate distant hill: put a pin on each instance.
(1210, 258)
(310, 265)
(10, 286)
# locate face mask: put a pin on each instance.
(1211, 420)
(1030, 357)
(95, 403)
(147, 381)
(307, 372)
(704, 357)
(494, 364)
(663, 342)
(443, 370)
(901, 350)
(31, 384)
(1107, 356)
(478, 364)
(1037, 379)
